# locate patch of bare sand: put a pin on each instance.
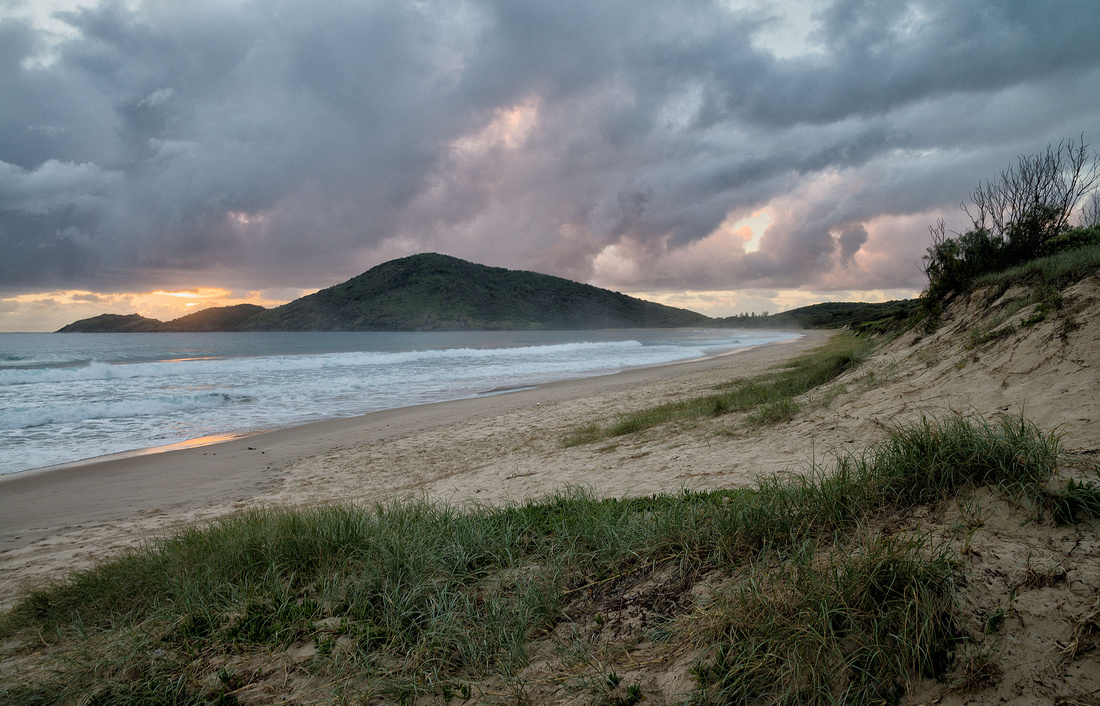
(1039, 372)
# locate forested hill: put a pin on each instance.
(858, 316)
(215, 318)
(433, 292)
(437, 292)
(424, 293)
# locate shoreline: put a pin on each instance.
(42, 503)
(215, 435)
(197, 442)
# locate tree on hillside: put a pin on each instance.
(1022, 214)
(1037, 196)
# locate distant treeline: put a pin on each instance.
(861, 317)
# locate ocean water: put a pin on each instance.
(69, 397)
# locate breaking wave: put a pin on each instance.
(29, 417)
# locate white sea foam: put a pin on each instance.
(627, 352)
(144, 390)
(31, 417)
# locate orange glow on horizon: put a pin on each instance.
(200, 293)
(49, 311)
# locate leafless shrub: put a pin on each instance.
(1090, 213)
(1053, 183)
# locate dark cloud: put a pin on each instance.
(273, 143)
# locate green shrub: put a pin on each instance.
(1020, 216)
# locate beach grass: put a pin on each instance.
(849, 629)
(769, 398)
(1055, 271)
(420, 599)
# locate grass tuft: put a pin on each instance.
(770, 398)
(851, 629)
(1076, 501)
(1053, 271)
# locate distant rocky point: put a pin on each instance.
(217, 318)
(115, 323)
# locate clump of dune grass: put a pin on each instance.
(848, 629)
(769, 398)
(1055, 271)
(416, 598)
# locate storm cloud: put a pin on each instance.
(260, 143)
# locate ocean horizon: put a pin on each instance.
(66, 398)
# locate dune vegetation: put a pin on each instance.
(1020, 228)
(770, 397)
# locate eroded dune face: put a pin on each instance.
(995, 353)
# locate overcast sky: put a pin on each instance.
(727, 156)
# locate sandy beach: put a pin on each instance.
(488, 449)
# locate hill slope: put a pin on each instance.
(424, 293)
(438, 292)
(114, 323)
(215, 318)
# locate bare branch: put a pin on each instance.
(1051, 183)
(1090, 213)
